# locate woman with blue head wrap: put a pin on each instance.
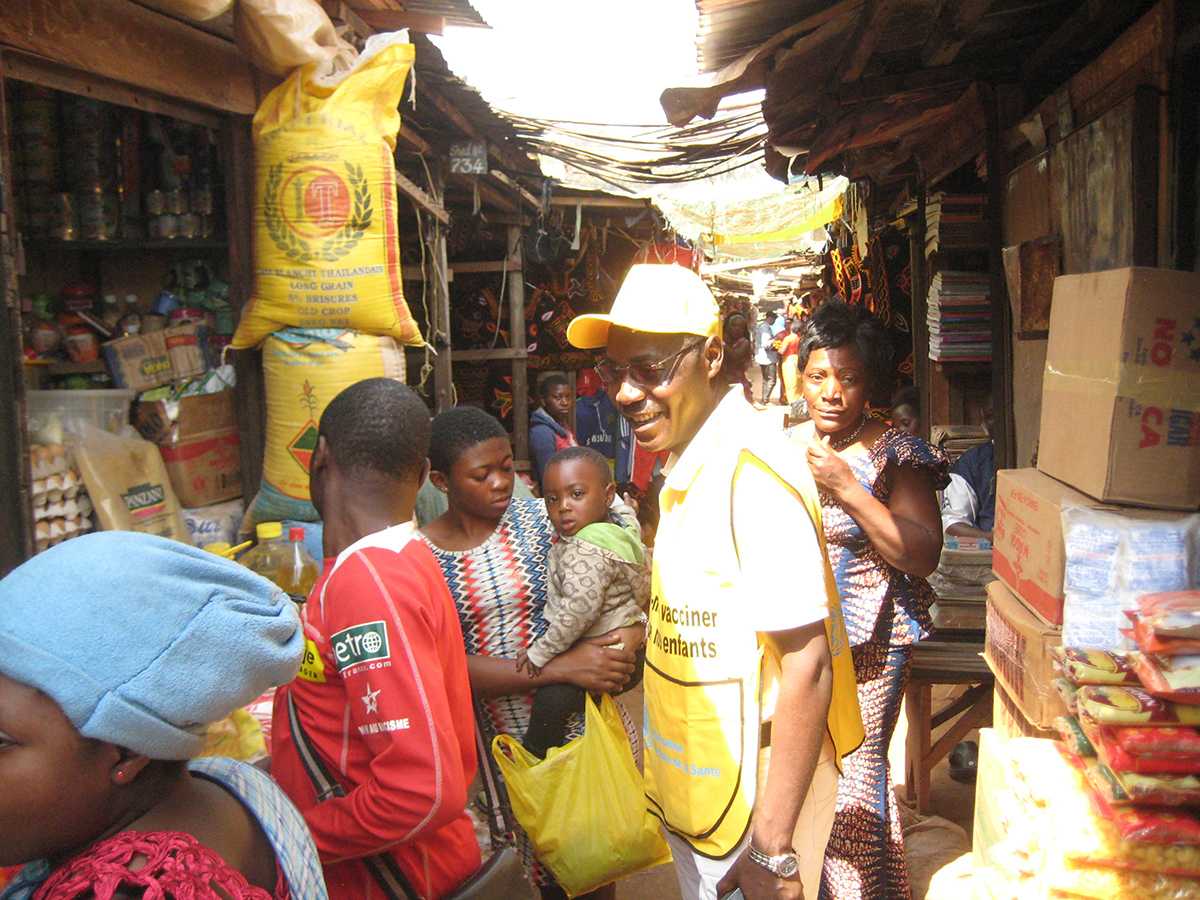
(117, 650)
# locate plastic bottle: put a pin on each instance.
(270, 555)
(300, 570)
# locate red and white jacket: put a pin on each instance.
(384, 697)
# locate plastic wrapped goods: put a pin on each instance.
(1112, 559)
(1112, 705)
(327, 254)
(1094, 666)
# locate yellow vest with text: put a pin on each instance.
(709, 680)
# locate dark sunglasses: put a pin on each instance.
(645, 374)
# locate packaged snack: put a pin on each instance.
(1105, 740)
(1160, 790)
(1143, 634)
(1094, 666)
(1177, 682)
(1119, 705)
(1172, 614)
(1068, 692)
(1154, 826)
(1073, 737)
(1101, 883)
(1155, 741)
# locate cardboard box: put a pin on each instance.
(1017, 649)
(139, 362)
(198, 440)
(1027, 539)
(142, 362)
(1009, 721)
(1121, 396)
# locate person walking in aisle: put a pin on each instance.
(880, 513)
(383, 702)
(749, 693)
(766, 356)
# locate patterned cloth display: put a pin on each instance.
(886, 612)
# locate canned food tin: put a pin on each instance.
(164, 227)
(99, 214)
(156, 203)
(176, 202)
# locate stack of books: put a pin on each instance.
(960, 317)
(955, 222)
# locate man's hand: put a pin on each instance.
(757, 883)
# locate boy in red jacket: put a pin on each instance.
(382, 694)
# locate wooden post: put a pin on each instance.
(439, 328)
(16, 507)
(238, 157)
(516, 330)
(1002, 387)
(919, 279)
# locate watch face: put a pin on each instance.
(788, 866)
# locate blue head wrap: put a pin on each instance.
(143, 641)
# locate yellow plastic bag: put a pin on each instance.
(583, 807)
(237, 736)
(326, 250)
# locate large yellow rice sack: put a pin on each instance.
(326, 250)
(304, 370)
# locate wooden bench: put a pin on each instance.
(942, 661)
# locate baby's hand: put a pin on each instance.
(524, 664)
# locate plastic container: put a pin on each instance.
(285, 563)
(301, 571)
(50, 410)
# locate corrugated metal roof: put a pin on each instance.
(730, 28)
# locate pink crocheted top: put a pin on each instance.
(176, 866)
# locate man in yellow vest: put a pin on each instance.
(750, 697)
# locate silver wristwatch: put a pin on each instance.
(785, 865)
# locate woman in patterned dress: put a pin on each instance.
(492, 549)
(883, 530)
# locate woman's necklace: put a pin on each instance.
(843, 442)
(839, 444)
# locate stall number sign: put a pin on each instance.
(468, 158)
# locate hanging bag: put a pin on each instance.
(584, 807)
(499, 878)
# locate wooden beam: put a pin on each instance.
(862, 45)
(602, 202)
(885, 86)
(16, 500)
(19, 67)
(237, 150)
(339, 11)
(463, 268)
(422, 199)
(516, 332)
(439, 329)
(413, 141)
(133, 45)
(502, 154)
(517, 187)
(394, 20)
(489, 193)
(490, 354)
(1002, 385)
(1090, 18)
(952, 30)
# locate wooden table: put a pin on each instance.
(947, 658)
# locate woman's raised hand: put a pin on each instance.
(830, 471)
